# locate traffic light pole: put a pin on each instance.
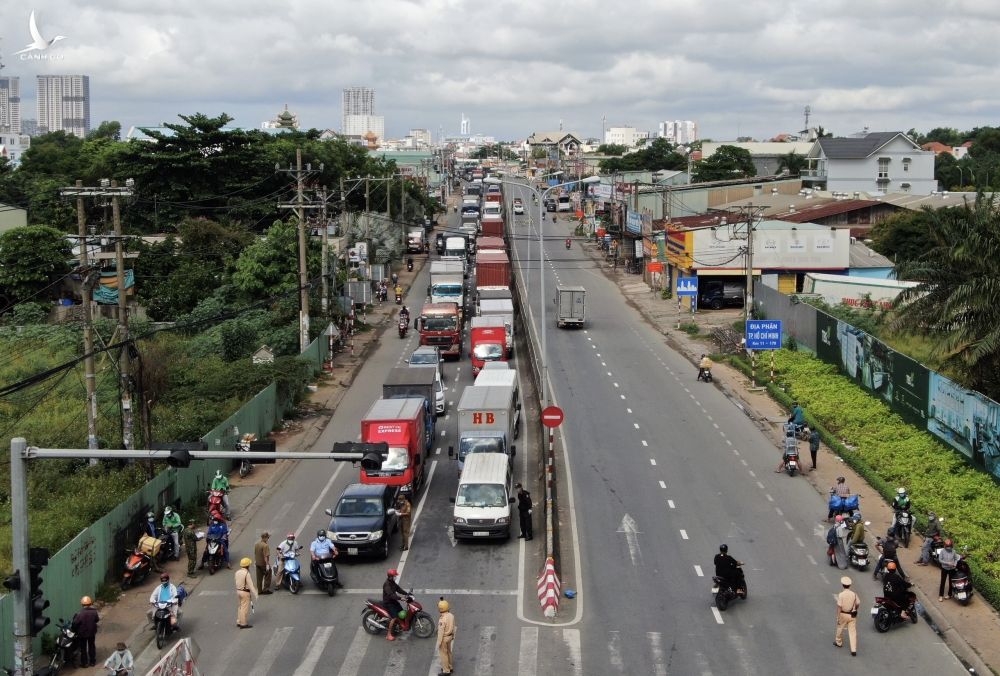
(370, 456)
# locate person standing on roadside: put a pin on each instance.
(813, 445)
(524, 512)
(191, 547)
(405, 510)
(262, 563)
(446, 637)
(847, 616)
(246, 592)
(84, 623)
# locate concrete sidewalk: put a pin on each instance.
(970, 631)
(125, 619)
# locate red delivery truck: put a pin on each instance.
(492, 269)
(487, 343)
(401, 423)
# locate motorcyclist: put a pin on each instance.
(798, 416)
(287, 547)
(894, 587)
(729, 569)
(392, 594)
(932, 533)
(165, 593)
(323, 549)
(220, 482)
(172, 525)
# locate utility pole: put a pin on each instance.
(90, 378)
(123, 355)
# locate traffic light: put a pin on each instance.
(39, 558)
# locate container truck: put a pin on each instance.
(486, 422)
(439, 325)
(401, 423)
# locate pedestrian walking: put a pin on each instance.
(847, 616)
(262, 562)
(446, 636)
(121, 662)
(814, 445)
(191, 547)
(246, 592)
(84, 623)
(524, 512)
(405, 510)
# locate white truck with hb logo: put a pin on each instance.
(488, 422)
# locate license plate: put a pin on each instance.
(479, 533)
(352, 551)
(874, 610)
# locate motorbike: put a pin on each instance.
(902, 526)
(214, 554)
(291, 580)
(725, 591)
(568, 243)
(887, 613)
(375, 619)
(961, 582)
(404, 326)
(858, 555)
(325, 576)
(705, 375)
(66, 648)
(216, 507)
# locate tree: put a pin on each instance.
(727, 162)
(793, 163)
(957, 300)
(616, 149)
(33, 261)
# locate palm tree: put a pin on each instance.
(957, 300)
(793, 163)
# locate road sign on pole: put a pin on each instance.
(552, 416)
(763, 334)
(687, 286)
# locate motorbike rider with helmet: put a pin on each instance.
(392, 593)
(165, 593)
(323, 549)
(894, 587)
(729, 569)
(287, 547)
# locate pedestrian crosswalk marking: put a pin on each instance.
(572, 639)
(270, 652)
(527, 659)
(355, 653)
(316, 645)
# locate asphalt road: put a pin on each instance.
(664, 470)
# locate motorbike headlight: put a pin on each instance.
(375, 536)
(460, 520)
(503, 520)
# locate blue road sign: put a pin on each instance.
(687, 286)
(763, 334)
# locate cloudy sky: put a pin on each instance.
(736, 67)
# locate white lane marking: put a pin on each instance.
(670, 504)
(684, 534)
(769, 498)
(799, 542)
(789, 526)
(397, 661)
(652, 461)
(697, 570)
(778, 510)
(811, 559)
(663, 484)
(655, 644)
(416, 516)
(572, 639)
(615, 652)
(760, 485)
(644, 443)
(484, 653)
(718, 615)
(355, 653)
(316, 645)
(527, 658)
(635, 425)
(319, 498)
(274, 644)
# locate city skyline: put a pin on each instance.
(642, 65)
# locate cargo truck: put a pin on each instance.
(438, 325)
(570, 305)
(487, 419)
(403, 383)
(401, 423)
(487, 343)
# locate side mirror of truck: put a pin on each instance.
(451, 451)
(328, 511)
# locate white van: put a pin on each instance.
(484, 501)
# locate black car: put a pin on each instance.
(364, 520)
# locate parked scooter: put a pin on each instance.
(705, 375)
(886, 613)
(902, 526)
(324, 574)
(291, 579)
(726, 591)
(375, 619)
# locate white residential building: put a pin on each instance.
(63, 104)
(679, 131)
(876, 163)
(623, 136)
(10, 105)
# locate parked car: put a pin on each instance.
(518, 206)
(364, 520)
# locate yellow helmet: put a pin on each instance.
(443, 606)
(245, 562)
(86, 601)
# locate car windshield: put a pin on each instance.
(447, 290)
(397, 459)
(423, 358)
(359, 506)
(480, 445)
(440, 323)
(481, 495)
(488, 351)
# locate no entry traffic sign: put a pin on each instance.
(552, 416)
